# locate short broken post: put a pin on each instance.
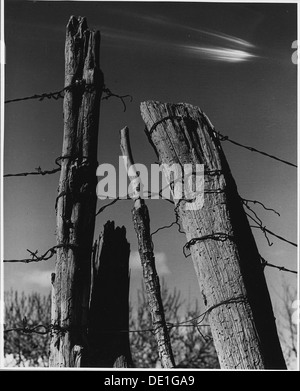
(141, 220)
(108, 334)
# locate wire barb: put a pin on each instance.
(266, 231)
(110, 94)
(44, 257)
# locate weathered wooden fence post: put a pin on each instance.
(224, 252)
(76, 201)
(108, 334)
(141, 221)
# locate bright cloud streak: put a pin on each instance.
(215, 53)
(218, 35)
(225, 37)
(220, 54)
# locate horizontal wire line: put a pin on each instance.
(252, 149)
(60, 94)
(192, 322)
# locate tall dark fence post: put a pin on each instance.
(76, 201)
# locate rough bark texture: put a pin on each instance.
(76, 201)
(109, 301)
(141, 223)
(228, 266)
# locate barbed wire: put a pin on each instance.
(281, 268)
(267, 231)
(175, 222)
(218, 236)
(38, 171)
(34, 256)
(49, 95)
(100, 210)
(192, 322)
(44, 257)
(60, 94)
(223, 236)
(246, 201)
(221, 137)
(52, 250)
(259, 224)
(110, 94)
(52, 95)
(46, 329)
(214, 236)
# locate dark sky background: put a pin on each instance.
(231, 60)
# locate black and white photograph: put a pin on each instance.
(149, 189)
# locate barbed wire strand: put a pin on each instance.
(50, 252)
(225, 236)
(60, 94)
(110, 94)
(52, 95)
(281, 268)
(38, 171)
(49, 95)
(215, 236)
(246, 201)
(267, 231)
(34, 257)
(44, 257)
(221, 137)
(193, 322)
(100, 210)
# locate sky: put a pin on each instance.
(231, 60)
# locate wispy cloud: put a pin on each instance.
(216, 53)
(163, 21)
(217, 38)
(220, 54)
(160, 262)
(202, 43)
(224, 37)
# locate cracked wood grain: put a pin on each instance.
(244, 331)
(76, 204)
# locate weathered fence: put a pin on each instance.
(87, 332)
